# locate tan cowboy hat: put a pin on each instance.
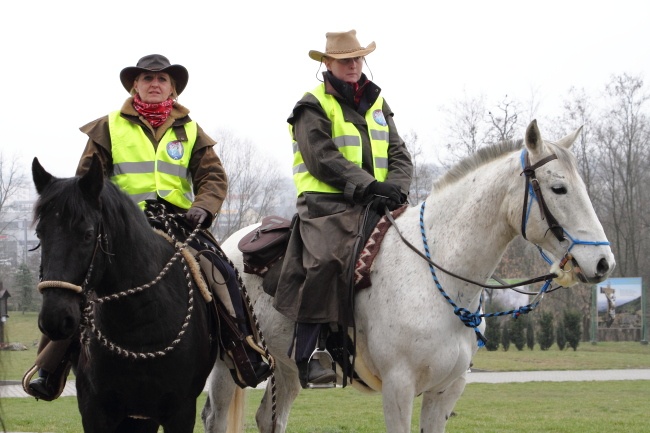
(155, 63)
(342, 45)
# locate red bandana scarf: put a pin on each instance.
(156, 114)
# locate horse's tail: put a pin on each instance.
(236, 411)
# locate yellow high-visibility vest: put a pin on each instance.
(144, 173)
(347, 139)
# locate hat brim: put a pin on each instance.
(177, 72)
(318, 56)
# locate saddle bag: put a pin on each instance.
(265, 245)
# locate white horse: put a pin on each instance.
(409, 339)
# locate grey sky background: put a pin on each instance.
(248, 61)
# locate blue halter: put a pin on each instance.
(473, 320)
(533, 195)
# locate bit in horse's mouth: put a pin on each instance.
(583, 278)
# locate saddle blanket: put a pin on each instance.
(370, 250)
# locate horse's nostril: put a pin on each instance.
(603, 267)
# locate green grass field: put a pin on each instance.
(607, 407)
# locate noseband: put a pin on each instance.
(101, 243)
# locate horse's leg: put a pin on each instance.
(278, 332)
(221, 394)
(287, 388)
(184, 418)
(397, 400)
(438, 406)
(94, 416)
(132, 425)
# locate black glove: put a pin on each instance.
(388, 190)
(196, 215)
(379, 203)
(386, 195)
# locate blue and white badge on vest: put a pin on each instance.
(378, 115)
(175, 149)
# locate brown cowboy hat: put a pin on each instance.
(155, 63)
(342, 45)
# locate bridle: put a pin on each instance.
(101, 243)
(90, 300)
(533, 190)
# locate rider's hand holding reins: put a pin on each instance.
(196, 215)
(386, 195)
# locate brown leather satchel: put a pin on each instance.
(266, 244)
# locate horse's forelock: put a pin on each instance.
(566, 158)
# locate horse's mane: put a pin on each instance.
(489, 153)
(66, 198)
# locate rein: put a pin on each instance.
(427, 258)
(88, 316)
(474, 319)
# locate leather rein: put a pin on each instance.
(532, 189)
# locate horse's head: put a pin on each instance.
(559, 216)
(68, 216)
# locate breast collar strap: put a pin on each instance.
(533, 189)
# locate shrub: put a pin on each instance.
(561, 336)
(546, 331)
(530, 333)
(492, 333)
(573, 328)
(505, 337)
(517, 332)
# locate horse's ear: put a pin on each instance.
(92, 182)
(40, 176)
(533, 138)
(569, 139)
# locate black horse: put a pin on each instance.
(146, 344)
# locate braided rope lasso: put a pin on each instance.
(88, 318)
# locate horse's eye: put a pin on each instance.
(559, 190)
(89, 235)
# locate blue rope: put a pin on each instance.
(469, 319)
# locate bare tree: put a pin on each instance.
(423, 173)
(12, 180)
(255, 186)
(624, 137)
(578, 110)
(504, 121)
(465, 126)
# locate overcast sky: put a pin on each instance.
(248, 61)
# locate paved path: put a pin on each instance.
(16, 389)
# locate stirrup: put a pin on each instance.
(328, 356)
(59, 386)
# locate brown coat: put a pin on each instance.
(315, 280)
(209, 178)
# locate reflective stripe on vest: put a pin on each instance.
(143, 173)
(347, 139)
